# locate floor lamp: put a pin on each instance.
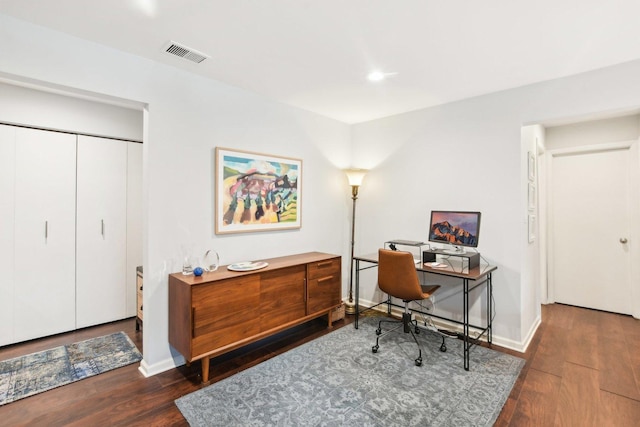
(355, 177)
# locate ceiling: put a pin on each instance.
(316, 54)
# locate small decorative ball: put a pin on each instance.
(197, 271)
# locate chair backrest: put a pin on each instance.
(397, 275)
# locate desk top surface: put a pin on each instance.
(474, 274)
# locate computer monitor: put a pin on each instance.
(456, 228)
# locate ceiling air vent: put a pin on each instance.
(185, 52)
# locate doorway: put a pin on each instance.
(591, 201)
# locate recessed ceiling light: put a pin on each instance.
(377, 75)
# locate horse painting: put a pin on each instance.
(257, 192)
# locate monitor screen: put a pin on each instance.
(455, 228)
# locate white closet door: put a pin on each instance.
(45, 181)
(7, 187)
(101, 231)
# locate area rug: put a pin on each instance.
(37, 372)
(336, 380)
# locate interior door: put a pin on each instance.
(101, 231)
(45, 202)
(590, 225)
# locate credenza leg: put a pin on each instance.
(330, 318)
(205, 369)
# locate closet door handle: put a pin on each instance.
(102, 227)
(46, 230)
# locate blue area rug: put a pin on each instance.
(37, 372)
(336, 380)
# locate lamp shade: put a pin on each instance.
(355, 176)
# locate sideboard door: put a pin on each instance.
(224, 312)
(282, 296)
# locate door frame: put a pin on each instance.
(634, 211)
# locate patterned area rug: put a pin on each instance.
(37, 372)
(336, 380)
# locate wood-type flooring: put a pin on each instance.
(582, 369)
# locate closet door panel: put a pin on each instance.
(101, 231)
(45, 181)
(7, 190)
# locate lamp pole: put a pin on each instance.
(350, 307)
(355, 177)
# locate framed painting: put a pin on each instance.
(531, 226)
(256, 192)
(531, 196)
(531, 166)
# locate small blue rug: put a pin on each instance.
(336, 380)
(37, 372)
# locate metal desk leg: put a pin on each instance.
(357, 313)
(489, 309)
(465, 321)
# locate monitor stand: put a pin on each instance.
(472, 257)
(454, 251)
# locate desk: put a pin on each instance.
(479, 275)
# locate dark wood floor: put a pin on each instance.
(582, 368)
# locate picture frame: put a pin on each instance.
(531, 166)
(531, 226)
(256, 192)
(531, 196)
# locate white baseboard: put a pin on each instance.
(162, 366)
(532, 332)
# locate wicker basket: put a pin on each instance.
(337, 313)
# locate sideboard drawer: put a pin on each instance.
(324, 285)
(324, 268)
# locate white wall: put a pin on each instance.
(187, 117)
(467, 155)
(21, 105)
(533, 138)
(452, 157)
(616, 129)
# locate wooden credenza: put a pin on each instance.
(224, 310)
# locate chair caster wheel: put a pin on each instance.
(417, 330)
(374, 349)
(443, 348)
(378, 331)
(419, 361)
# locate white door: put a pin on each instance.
(590, 224)
(7, 206)
(45, 202)
(101, 231)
